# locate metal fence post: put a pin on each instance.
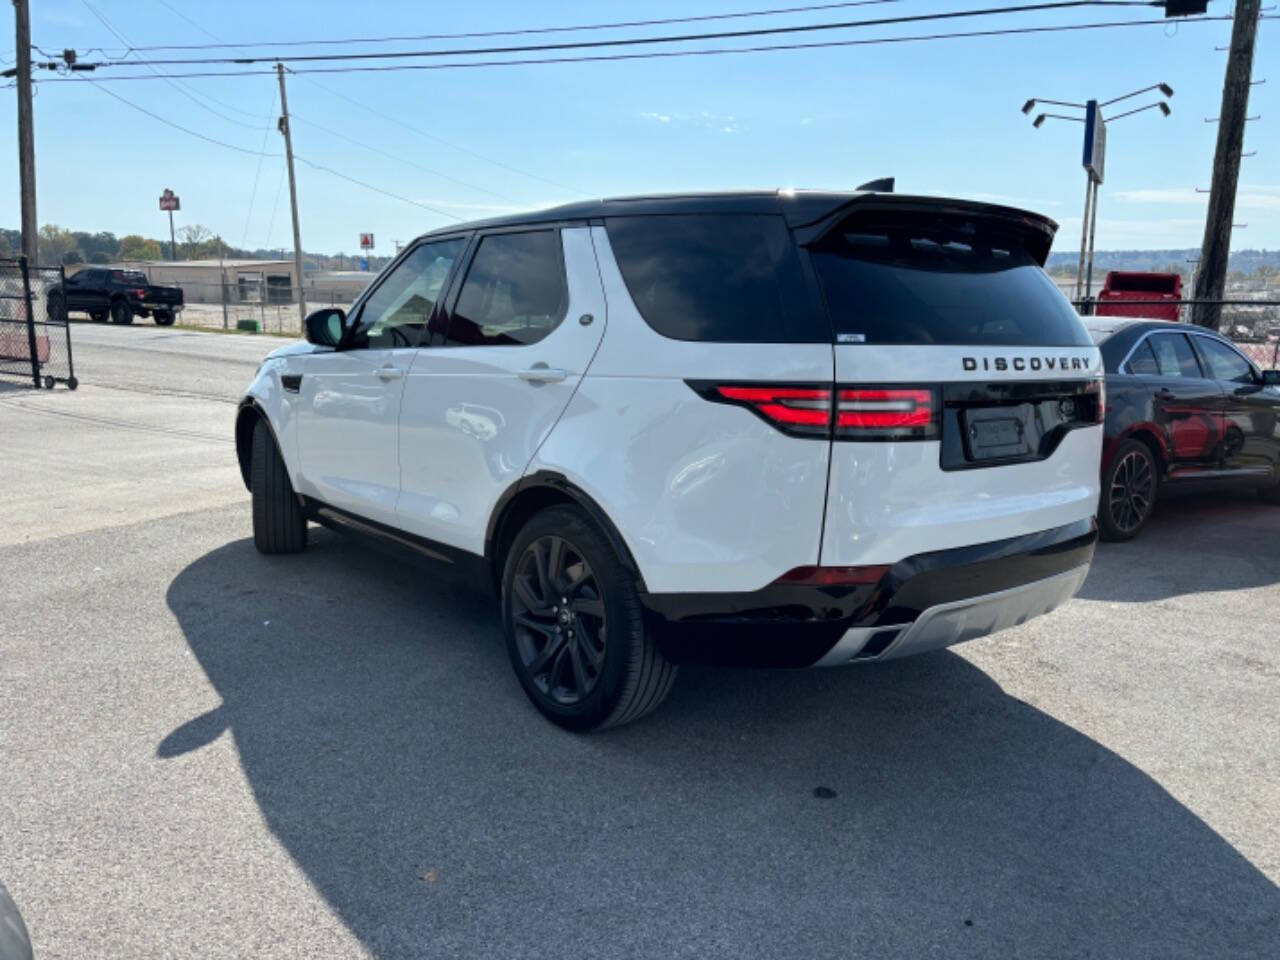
(31, 322)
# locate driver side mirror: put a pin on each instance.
(1271, 378)
(325, 328)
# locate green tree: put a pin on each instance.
(72, 256)
(195, 239)
(134, 247)
(55, 243)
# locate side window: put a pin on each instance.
(716, 277)
(1143, 362)
(398, 311)
(1174, 355)
(1225, 363)
(515, 291)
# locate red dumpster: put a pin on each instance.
(1160, 295)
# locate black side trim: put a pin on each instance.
(291, 382)
(466, 565)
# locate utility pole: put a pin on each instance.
(26, 133)
(293, 199)
(1211, 278)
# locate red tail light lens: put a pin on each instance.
(834, 576)
(898, 413)
(801, 410)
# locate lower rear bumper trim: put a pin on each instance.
(950, 623)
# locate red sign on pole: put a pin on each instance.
(366, 241)
(169, 200)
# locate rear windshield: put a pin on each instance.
(129, 276)
(717, 277)
(930, 280)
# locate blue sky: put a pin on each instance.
(943, 117)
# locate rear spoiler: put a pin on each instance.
(1035, 231)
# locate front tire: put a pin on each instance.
(279, 525)
(575, 631)
(121, 312)
(1128, 492)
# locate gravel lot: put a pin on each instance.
(208, 753)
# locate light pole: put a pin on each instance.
(1094, 162)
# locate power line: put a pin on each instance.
(177, 126)
(257, 173)
(388, 117)
(671, 54)
(527, 31)
(369, 186)
(436, 139)
(637, 41)
(405, 160)
(259, 153)
(181, 88)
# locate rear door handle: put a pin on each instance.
(536, 374)
(389, 373)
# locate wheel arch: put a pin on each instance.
(247, 418)
(1143, 432)
(536, 492)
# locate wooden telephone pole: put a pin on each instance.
(1211, 278)
(293, 200)
(26, 133)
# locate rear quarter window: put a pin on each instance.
(722, 278)
(932, 280)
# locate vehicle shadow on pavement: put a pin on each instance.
(395, 758)
(1193, 543)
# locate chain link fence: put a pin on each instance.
(35, 341)
(265, 308)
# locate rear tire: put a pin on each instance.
(163, 318)
(121, 312)
(279, 525)
(1128, 492)
(575, 631)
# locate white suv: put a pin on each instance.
(781, 429)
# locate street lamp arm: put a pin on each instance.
(1056, 116)
(1027, 107)
(1162, 87)
(1161, 105)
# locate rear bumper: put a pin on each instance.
(923, 602)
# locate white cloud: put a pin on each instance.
(1248, 196)
(704, 120)
(660, 117)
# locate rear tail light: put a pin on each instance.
(896, 413)
(800, 410)
(834, 576)
(857, 413)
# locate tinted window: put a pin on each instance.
(1174, 355)
(725, 278)
(1224, 362)
(1143, 362)
(923, 279)
(514, 292)
(398, 311)
(129, 276)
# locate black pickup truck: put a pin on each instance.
(121, 294)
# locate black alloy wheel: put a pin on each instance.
(1129, 492)
(575, 628)
(558, 616)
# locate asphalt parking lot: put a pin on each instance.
(209, 753)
